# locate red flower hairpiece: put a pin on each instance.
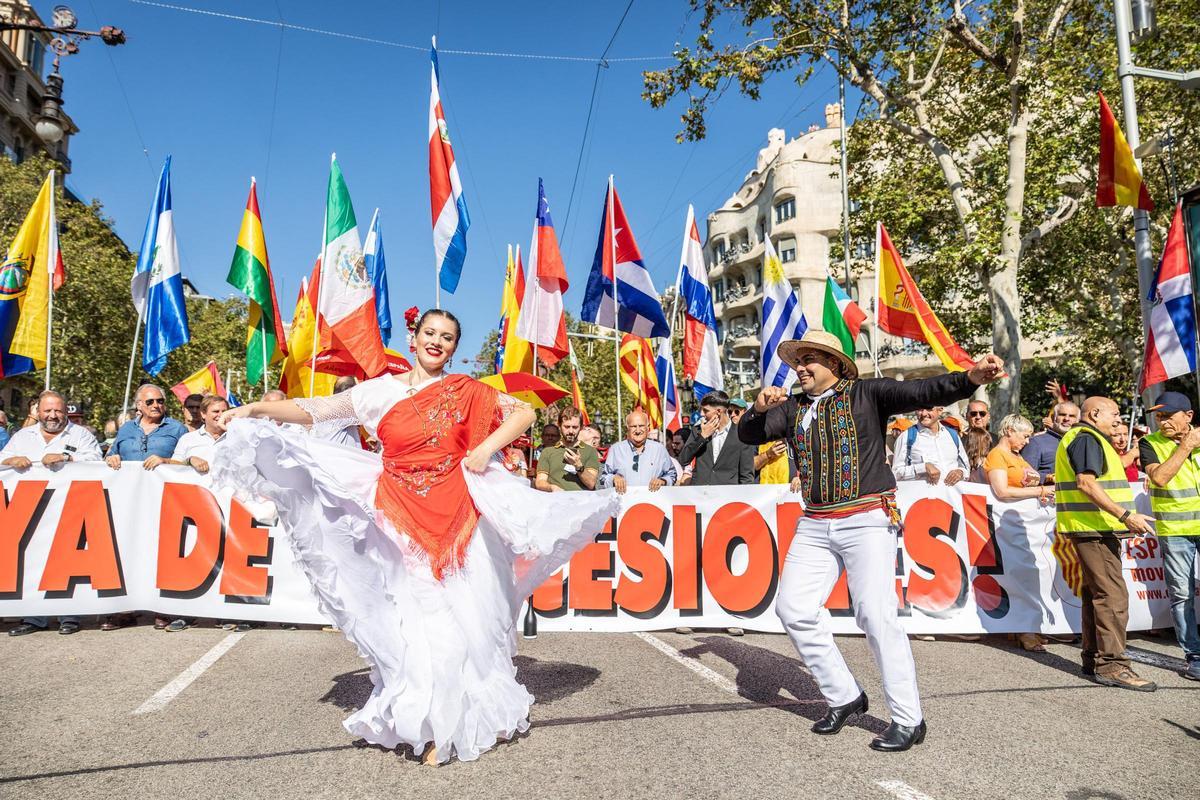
(410, 320)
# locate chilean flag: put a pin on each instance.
(449, 207)
(543, 321)
(664, 368)
(620, 294)
(1171, 329)
(701, 358)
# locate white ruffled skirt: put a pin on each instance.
(440, 652)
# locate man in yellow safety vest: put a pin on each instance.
(1171, 457)
(1094, 508)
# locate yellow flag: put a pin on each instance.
(517, 353)
(297, 365)
(30, 251)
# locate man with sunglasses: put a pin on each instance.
(638, 461)
(978, 415)
(151, 437)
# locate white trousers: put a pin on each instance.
(865, 546)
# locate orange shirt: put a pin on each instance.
(1000, 457)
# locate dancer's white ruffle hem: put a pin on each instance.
(440, 653)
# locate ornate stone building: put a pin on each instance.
(24, 58)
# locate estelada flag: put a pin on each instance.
(902, 311)
(639, 376)
(206, 380)
(1118, 182)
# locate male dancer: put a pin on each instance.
(837, 427)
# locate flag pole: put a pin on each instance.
(609, 213)
(312, 372)
(137, 330)
(687, 233)
(50, 267)
(262, 326)
(875, 301)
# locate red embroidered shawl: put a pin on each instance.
(422, 490)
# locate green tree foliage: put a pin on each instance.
(976, 145)
(93, 312)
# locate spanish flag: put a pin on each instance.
(538, 392)
(516, 354)
(250, 273)
(206, 380)
(32, 269)
(901, 310)
(639, 376)
(1118, 181)
(297, 366)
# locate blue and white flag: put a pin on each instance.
(620, 294)
(157, 283)
(664, 368)
(782, 319)
(701, 354)
(377, 271)
(450, 217)
(1171, 328)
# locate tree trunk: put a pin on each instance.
(1002, 280)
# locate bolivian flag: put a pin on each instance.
(250, 273)
(902, 311)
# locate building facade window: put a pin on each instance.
(35, 55)
(787, 251)
(785, 210)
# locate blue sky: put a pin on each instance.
(203, 89)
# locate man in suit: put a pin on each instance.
(722, 459)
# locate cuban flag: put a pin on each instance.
(782, 319)
(157, 284)
(701, 358)
(377, 270)
(1171, 333)
(449, 207)
(620, 294)
(664, 368)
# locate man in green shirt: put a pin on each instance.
(571, 465)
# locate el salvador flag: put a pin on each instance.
(377, 270)
(157, 283)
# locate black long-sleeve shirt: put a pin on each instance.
(841, 457)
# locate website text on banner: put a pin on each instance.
(90, 540)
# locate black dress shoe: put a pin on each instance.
(898, 738)
(24, 628)
(837, 716)
(67, 628)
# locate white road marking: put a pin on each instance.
(184, 679)
(1155, 659)
(713, 677)
(902, 790)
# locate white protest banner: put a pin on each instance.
(86, 539)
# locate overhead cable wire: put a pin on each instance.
(387, 42)
(125, 96)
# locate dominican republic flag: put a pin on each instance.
(1171, 333)
(449, 207)
(620, 294)
(157, 284)
(782, 319)
(664, 368)
(701, 356)
(377, 270)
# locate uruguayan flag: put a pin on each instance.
(782, 319)
(157, 284)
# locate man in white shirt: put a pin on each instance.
(196, 449)
(930, 451)
(52, 442)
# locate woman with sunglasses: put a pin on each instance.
(423, 557)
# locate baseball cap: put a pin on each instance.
(1170, 402)
(739, 403)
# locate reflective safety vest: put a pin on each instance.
(1176, 506)
(1074, 512)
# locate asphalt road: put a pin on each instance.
(617, 715)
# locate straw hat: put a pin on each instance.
(817, 341)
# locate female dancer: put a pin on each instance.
(421, 558)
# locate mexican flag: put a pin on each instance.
(841, 316)
(250, 273)
(347, 301)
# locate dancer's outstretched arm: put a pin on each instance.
(277, 410)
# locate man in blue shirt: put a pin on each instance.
(1042, 448)
(637, 461)
(151, 436)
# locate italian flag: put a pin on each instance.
(841, 316)
(347, 295)
(250, 273)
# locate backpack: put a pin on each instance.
(912, 439)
